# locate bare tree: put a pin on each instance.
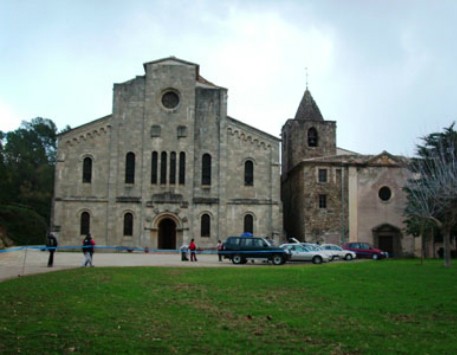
(432, 193)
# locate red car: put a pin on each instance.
(365, 250)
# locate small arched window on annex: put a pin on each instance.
(248, 173)
(130, 168)
(313, 137)
(87, 170)
(206, 169)
(205, 225)
(84, 223)
(248, 223)
(128, 224)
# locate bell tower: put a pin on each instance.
(307, 135)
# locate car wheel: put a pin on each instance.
(317, 260)
(375, 256)
(277, 259)
(348, 257)
(237, 259)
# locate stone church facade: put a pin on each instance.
(169, 165)
(332, 195)
(166, 166)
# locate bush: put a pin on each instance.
(23, 226)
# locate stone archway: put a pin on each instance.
(166, 234)
(388, 238)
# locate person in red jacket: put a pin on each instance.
(192, 248)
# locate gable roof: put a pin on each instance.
(382, 159)
(201, 81)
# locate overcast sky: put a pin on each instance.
(384, 70)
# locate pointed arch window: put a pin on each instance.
(84, 224)
(163, 168)
(130, 168)
(313, 138)
(128, 224)
(248, 224)
(182, 168)
(248, 173)
(205, 226)
(206, 169)
(87, 170)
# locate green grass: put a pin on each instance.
(392, 306)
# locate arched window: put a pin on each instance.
(163, 168)
(154, 161)
(248, 224)
(248, 173)
(172, 168)
(205, 227)
(313, 138)
(130, 168)
(128, 224)
(206, 169)
(84, 226)
(87, 170)
(182, 168)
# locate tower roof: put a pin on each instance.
(308, 109)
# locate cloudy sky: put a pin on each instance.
(384, 70)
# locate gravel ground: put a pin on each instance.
(27, 262)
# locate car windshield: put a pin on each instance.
(312, 247)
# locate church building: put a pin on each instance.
(331, 195)
(167, 165)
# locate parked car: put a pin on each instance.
(317, 247)
(339, 252)
(365, 250)
(239, 249)
(299, 252)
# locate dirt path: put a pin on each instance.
(27, 262)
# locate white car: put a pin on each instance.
(300, 252)
(340, 252)
(332, 255)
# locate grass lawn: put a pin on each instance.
(390, 306)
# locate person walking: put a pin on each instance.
(88, 250)
(51, 245)
(184, 249)
(219, 249)
(193, 249)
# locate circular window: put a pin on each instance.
(170, 99)
(385, 193)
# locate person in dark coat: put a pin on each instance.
(51, 244)
(88, 250)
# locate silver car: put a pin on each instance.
(300, 252)
(340, 252)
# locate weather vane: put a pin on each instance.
(306, 70)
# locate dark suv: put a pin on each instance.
(239, 249)
(365, 250)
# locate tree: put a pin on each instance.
(28, 158)
(432, 193)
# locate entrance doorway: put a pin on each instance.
(167, 234)
(388, 238)
(386, 243)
